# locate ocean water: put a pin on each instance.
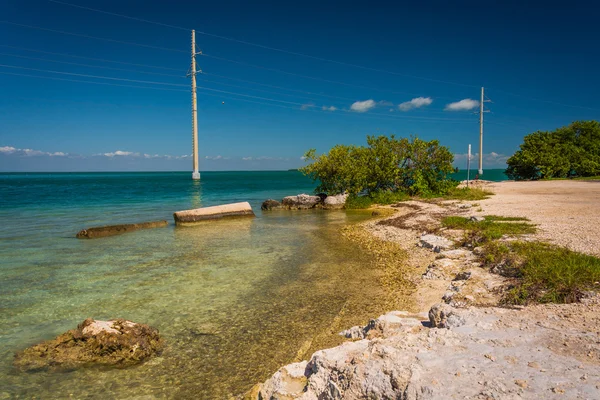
(495, 175)
(233, 299)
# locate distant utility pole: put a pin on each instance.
(481, 111)
(468, 165)
(192, 74)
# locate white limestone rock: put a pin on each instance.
(300, 202)
(437, 243)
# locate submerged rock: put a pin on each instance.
(301, 202)
(116, 342)
(270, 204)
(111, 230)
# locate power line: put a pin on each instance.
(92, 37)
(303, 76)
(92, 66)
(279, 87)
(227, 94)
(259, 90)
(55, 78)
(544, 101)
(315, 57)
(212, 56)
(89, 58)
(92, 76)
(267, 47)
(120, 15)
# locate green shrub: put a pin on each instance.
(413, 166)
(545, 273)
(569, 151)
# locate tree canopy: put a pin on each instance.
(572, 150)
(410, 165)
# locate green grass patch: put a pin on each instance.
(468, 194)
(501, 218)
(544, 273)
(489, 229)
(383, 198)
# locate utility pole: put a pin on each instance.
(468, 165)
(196, 172)
(481, 111)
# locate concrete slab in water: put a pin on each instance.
(111, 230)
(215, 212)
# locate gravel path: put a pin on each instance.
(567, 212)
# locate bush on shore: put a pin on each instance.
(387, 165)
(569, 151)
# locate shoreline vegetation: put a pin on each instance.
(465, 275)
(468, 270)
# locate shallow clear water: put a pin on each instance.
(233, 299)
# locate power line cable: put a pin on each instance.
(92, 66)
(227, 94)
(311, 56)
(277, 87)
(89, 58)
(544, 101)
(267, 47)
(93, 37)
(303, 76)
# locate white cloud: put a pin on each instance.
(247, 158)
(121, 153)
(417, 102)
(214, 157)
(362, 106)
(30, 152)
(331, 108)
(307, 106)
(7, 149)
(464, 104)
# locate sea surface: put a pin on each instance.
(233, 299)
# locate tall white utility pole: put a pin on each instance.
(481, 111)
(196, 172)
(480, 131)
(468, 165)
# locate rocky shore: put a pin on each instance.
(456, 341)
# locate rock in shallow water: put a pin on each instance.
(115, 342)
(335, 202)
(300, 202)
(270, 204)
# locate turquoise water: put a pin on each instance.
(233, 299)
(495, 175)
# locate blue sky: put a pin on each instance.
(422, 69)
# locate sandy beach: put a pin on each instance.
(457, 340)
